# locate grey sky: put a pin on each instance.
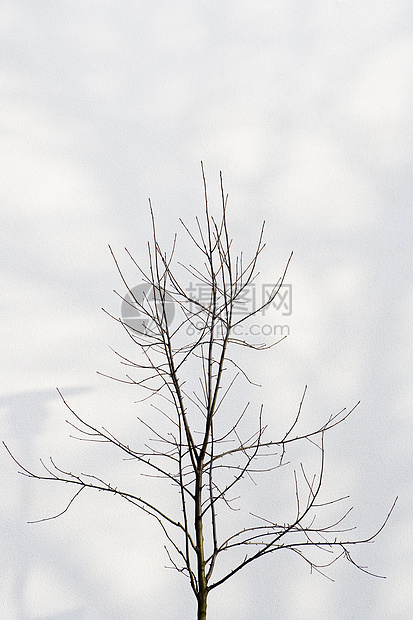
(306, 108)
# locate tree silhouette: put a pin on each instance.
(199, 441)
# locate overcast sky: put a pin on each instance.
(306, 107)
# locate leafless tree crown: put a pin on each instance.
(202, 441)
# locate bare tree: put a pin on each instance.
(201, 443)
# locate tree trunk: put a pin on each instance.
(202, 580)
(202, 606)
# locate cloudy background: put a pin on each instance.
(306, 108)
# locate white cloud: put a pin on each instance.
(318, 188)
(380, 100)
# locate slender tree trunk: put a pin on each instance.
(202, 581)
(202, 587)
(202, 607)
